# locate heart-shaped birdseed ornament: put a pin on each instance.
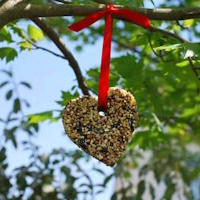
(103, 137)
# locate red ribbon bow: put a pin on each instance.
(131, 16)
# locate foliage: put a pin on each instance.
(160, 69)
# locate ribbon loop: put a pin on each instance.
(110, 10)
(87, 21)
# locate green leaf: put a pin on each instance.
(79, 48)
(129, 69)
(5, 35)
(148, 139)
(189, 112)
(114, 196)
(170, 187)
(127, 175)
(188, 23)
(35, 33)
(18, 30)
(106, 180)
(35, 127)
(9, 94)
(99, 171)
(3, 84)
(40, 117)
(66, 170)
(169, 47)
(141, 189)
(17, 106)
(8, 53)
(66, 96)
(195, 47)
(8, 73)
(152, 191)
(125, 65)
(182, 63)
(10, 135)
(25, 45)
(27, 85)
(158, 122)
(2, 155)
(152, 2)
(93, 79)
(26, 103)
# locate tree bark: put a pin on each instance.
(16, 9)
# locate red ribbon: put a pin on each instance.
(129, 15)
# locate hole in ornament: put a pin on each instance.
(102, 113)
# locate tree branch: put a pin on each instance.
(17, 9)
(101, 1)
(65, 51)
(167, 33)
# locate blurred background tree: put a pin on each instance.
(160, 67)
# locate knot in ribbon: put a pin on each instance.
(111, 10)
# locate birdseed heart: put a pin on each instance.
(102, 136)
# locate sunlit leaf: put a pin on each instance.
(188, 23)
(169, 47)
(35, 33)
(40, 117)
(25, 45)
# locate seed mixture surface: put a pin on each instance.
(103, 137)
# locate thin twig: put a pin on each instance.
(90, 89)
(167, 33)
(63, 1)
(179, 24)
(101, 1)
(151, 45)
(160, 52)
(193, 67)
(65, 51)
(47, 50)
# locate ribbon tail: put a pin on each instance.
(133, 17)
(105, 65)
(87, 21)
